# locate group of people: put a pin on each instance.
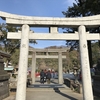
(45, 76)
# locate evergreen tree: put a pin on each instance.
(10, 46)
(80, 9)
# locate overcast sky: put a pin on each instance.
(41, 8)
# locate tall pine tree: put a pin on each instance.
(80, 9)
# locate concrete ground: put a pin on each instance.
(48, 93)
(53, 91)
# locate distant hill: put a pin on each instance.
(51, 47)
(56, 47)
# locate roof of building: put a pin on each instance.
(8, 68)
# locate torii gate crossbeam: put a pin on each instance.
(44, 36)
(49, 21)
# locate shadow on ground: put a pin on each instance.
(65, 95)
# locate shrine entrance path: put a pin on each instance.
(52, 91)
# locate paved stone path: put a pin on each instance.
(42, 92)
(52, 91)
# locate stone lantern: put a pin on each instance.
(4, 77)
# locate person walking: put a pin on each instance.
(45, 77)
(42, 75)
(48, 76)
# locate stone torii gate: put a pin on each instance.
(59, 56)
(53, 23)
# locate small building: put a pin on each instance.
(9, 70)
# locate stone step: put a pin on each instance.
(46, 86)
(52, 87)
(49, 89)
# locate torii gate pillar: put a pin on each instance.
(23, 63)
(33, 67)
(86, 77)
(60, 77)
